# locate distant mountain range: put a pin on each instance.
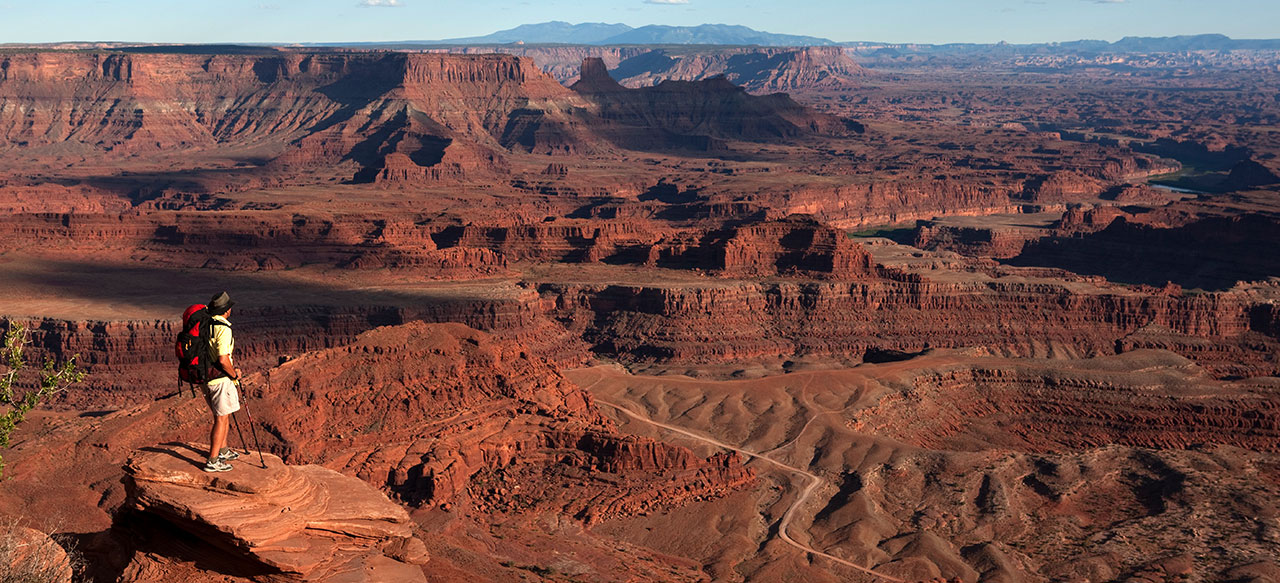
(599, 33)
(1196, 42)
(1128, 44)
(554, 32)
(711, 34)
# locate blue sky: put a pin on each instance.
(927, 21)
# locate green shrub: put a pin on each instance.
(18, 394)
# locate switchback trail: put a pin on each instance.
(813, 480)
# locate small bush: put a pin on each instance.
(29, 556)
(18, 395)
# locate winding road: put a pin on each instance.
(813, 482)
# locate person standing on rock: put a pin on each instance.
(221, 392)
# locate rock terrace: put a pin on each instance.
(307, 523)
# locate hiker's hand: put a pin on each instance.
(238, 374)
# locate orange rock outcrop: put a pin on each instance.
(304, 523)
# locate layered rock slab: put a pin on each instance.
(305, 523)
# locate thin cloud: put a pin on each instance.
(381, 3)
(1109, 1)
(668, 2)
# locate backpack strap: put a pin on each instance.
(210, 363)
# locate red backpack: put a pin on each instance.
(196, 361)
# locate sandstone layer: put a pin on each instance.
(305, 523)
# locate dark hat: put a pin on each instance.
(220, 304)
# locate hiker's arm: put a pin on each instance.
(229, 367)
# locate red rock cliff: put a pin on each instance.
(312, 108)
(1230, 333)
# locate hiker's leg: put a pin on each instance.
(218, 435)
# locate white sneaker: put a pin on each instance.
(217, 465)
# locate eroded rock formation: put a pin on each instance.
(454, 404)
(306, 523)
(694, 114)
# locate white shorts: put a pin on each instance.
(222, 396)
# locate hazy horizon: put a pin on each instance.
(908, 21)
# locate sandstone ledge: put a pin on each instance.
(306, 522)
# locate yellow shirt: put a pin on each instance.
(220, 339)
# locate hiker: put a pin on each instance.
(220, 390)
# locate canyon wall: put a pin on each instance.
(348, 111)
(1227, 332)
(107, 99)
(760, 70)
(247, 241)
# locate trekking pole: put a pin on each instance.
(252, 430)
(244, 444)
